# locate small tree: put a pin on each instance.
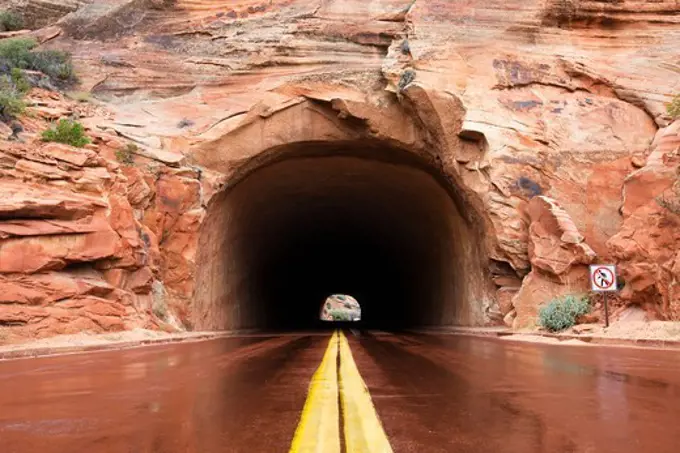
(67, 131)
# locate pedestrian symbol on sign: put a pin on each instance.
(603, 278)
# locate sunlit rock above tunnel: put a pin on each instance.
(340, 307)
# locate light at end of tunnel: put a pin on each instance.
(340, 307)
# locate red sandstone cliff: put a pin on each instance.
(512, 100)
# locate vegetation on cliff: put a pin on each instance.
(20, 53)
(12, 89)
(674, 107)
(10, 21)
(126, 156)
(66, 131)
(17, 59)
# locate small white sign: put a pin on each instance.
(603, 277)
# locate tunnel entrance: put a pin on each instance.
(325, 219)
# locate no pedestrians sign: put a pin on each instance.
(603, 277)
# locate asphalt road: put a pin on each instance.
(426, 393)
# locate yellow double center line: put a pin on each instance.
(319, 427)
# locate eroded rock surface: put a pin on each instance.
(79, 232)
(648, 244)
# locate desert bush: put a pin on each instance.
(126, 156)
(340, 315)
(19, 80)
(11, 98)
(561, 313)
(10, 21)
(674, 107)
(672, 204)
(405, 47)
(16, 50)
(66, 131)
(20, 53)
(407, 77)
(54, 63)
(11, 105)
(670, 198)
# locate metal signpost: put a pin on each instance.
(603, 280)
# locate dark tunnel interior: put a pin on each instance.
(292, 233)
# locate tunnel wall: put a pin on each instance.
(437, 273)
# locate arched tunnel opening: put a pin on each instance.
(326, 219)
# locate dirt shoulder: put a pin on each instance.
(82, 342)
(649, 334)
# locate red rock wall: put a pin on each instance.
(81, 235)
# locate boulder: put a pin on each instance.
(559, 259)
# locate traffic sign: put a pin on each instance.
(603, 280)
(603, 277)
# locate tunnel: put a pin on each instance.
(376, 223)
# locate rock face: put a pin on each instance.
(41, 13)
(559, 259)
(547, 119)
(648, 244)
(79, 233)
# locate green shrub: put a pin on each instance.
(340, 315)
(19, 53)
(674, 107)
(53, 63)
(11, 103)
(16, 50)
(19, 80)
(10, 21)
(66, 131)
(561, 313)
(126, 155)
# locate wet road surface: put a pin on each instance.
(231, 395)
(432, 393)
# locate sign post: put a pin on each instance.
(603, 280)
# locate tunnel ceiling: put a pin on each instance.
(291, 233)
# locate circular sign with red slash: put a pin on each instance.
(603, 277)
